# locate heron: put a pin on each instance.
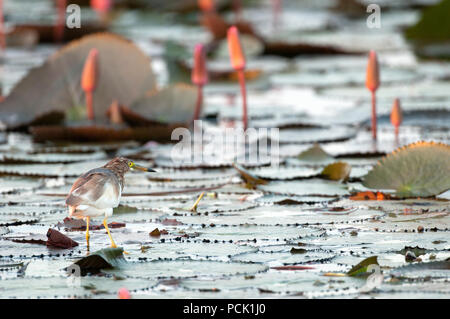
(96, 192)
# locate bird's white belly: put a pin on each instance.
(109, 198)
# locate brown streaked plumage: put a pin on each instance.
(98, 191)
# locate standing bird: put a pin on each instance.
(98, 191)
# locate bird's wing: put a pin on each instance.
(91, 187)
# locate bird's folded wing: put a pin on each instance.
(89, 187)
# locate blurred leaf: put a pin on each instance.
(173, 104)
(173, 54)
(55, 86)
(420, 169)
(315, 154)
(339, 171)
(434, 23)
(250, 179)
(361, 268)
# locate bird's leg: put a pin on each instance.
(105, 223)
(87, 232)
(72, 210)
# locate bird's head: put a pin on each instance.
(123, 164)
(132, 165)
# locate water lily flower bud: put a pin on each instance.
(234, 46)
(101, 6)
(206, 5)
(88, 78)
(124, 293)
(396, 114)
(373, 72)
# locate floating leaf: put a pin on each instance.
(419, 169)
(33, 98)
(423, 269)
(339, 171)
(249, 178)
(101, 259)
(292, 268)
(56, 239)
(173, 104)
(103, 133)
(315, 154)
(361, 268)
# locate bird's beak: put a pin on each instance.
(142, 168)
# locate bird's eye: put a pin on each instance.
(130, 164)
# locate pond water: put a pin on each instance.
(237, 240)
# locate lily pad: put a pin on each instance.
(33, 98)
(362, 267)
(421, 169)
(315, 154)
(101, 259)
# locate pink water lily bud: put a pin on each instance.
(206, 5)
(373, 72)
(234, 46)
(101, 6)
(123, 293)
(88, 78)
(396, 114)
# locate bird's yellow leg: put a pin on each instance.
(87, 232)
(105, 223)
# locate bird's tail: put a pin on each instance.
(84, 211)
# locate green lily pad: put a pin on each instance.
(421, 169)
(315, 154)
(361, 268)
(433, 25)
(101, 259)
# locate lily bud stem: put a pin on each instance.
(241, 75)
(374, 116)
(198, 106)
(90, 106)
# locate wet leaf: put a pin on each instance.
(251, 180)
(102, 259)
(361, 268)
(56, 239)
(103, 133)
(155, 233)
(436, 269)
(421, 169)
(292, 268)
(339, 171)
